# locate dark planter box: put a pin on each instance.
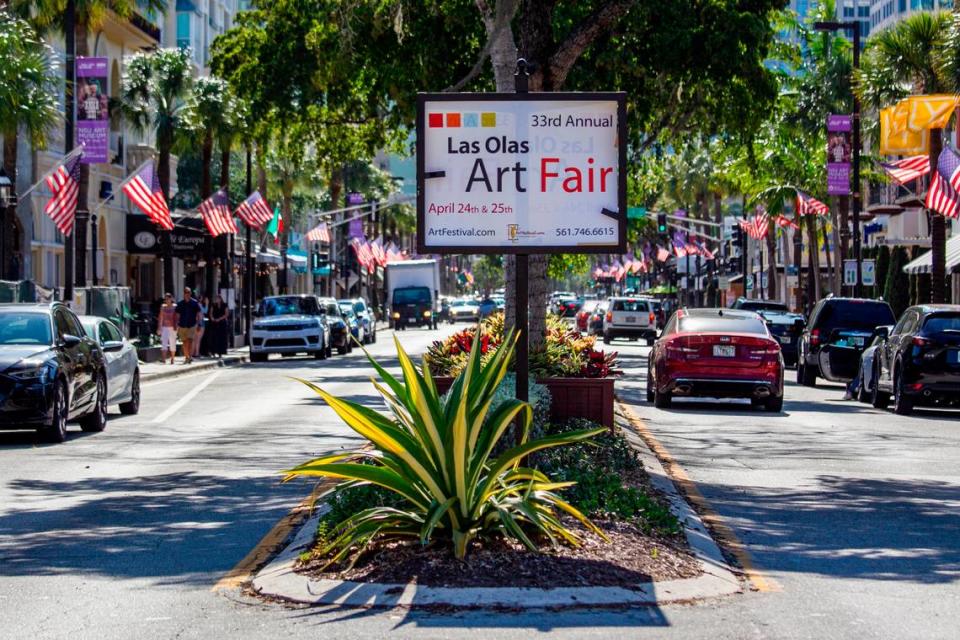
(590, 398)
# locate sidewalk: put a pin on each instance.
(152, 371)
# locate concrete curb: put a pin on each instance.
(279, 580)
(175, 371)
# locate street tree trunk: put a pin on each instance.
(10, 167)
(831, 272)
(813, 258)
(771, 261)
(938, 232)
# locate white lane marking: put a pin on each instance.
(179, 404)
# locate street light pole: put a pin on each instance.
(857, 199)
(69, 32)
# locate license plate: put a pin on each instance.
(953, 356)
(412, 320)
(785, 339)
(724, 351)
(631, 319)
(859, 341)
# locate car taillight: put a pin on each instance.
(609, 316)
(921, 342)
(815, 337)
(653, 318)
(681, 349)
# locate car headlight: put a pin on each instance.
(427, 314)
(396, 315)
(35, 373)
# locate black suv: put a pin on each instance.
(748, 304)
(50, 371)
(835, 335)
(919, 362)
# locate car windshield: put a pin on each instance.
(723, 324)
(942, 323)
(629, 305)
(90, 326)
(780, 317)
(330, 308)
(865, 315)
(289, 305)
(411, 295)
(25, 328)
(757, 305)
(461, 303)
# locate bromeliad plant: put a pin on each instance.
(436, 454)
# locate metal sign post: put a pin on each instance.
(520, 285)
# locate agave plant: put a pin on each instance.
(436, 453)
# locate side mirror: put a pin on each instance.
(112, 345)
(799, 325)
(70, 340)
(882, 332)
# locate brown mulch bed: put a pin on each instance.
(630, 558)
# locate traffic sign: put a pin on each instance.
(850, 272)
(868, 273)
(635, 213)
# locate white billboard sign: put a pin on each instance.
(521, 173)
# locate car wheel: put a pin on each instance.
(373, 338)
(132, 407)
(807, 375)
(878, 398)
(342, 350)
(607, 339)
(774, 404)
(96, 420)
(320, 354)
(650, 393)
(259, 357)
(329, 350)
(902, 403)
(56, 430)
(661, 400)
(650, 341)
(862, 391)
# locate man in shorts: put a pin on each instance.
(187, 318)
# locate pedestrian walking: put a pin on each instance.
(200, 346)
(217, 329)
(188, 315)
(167, 328)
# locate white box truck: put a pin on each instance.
(413, 289)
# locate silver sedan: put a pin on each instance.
(123, 368)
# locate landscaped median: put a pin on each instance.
(451, 504)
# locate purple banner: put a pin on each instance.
(93, 116)
(354, 199)
(355, 229)
(839, 150)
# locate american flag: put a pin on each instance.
(704, 251)
(216, 214)
(679, 249)
(949, 167)
(941, 196)
(807, 205)
(364, 255)
(908, 169)
(784, 221)
(320, 233)
(143, 189)
(379, 254)
(662, 254)
(394, 254)
(254, 211)
(761, 224)
(65, 185)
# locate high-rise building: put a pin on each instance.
(884, 13)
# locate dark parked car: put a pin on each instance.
(716, 353)
(568, 307)
(50, 371)
(786, 328)
(339, 333)
(867, 379)
(759, 305)
(835, 335)
(919, 362)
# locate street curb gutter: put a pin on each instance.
(175, 371)
(279, 580)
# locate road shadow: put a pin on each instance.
(873, 529)
(177, 528)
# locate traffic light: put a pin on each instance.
(661, 223)
(737, 236)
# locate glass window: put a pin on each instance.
(25, 328)
(723, 324)
(630, 305)
(288, 305)
(415, 295)
(103, 334)
(942, 323)
(866, 315)
(62, 322)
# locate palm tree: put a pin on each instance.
(153, 97)
(28, 89)
(915, 56)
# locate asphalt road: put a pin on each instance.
(853, 514)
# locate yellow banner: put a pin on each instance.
(918, 113)
(905, 142)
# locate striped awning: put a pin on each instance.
(922, 264)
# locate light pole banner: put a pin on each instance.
(93, 116)
(839, 149)
(521, 173)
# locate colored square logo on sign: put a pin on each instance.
(435, 120)
(488, 119)
(471, 120)
(453, 120)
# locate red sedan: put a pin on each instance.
(716, 353)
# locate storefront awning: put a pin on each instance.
(272, 256)
(923, 263)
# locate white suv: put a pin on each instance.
(630, 318)
(289, 325)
